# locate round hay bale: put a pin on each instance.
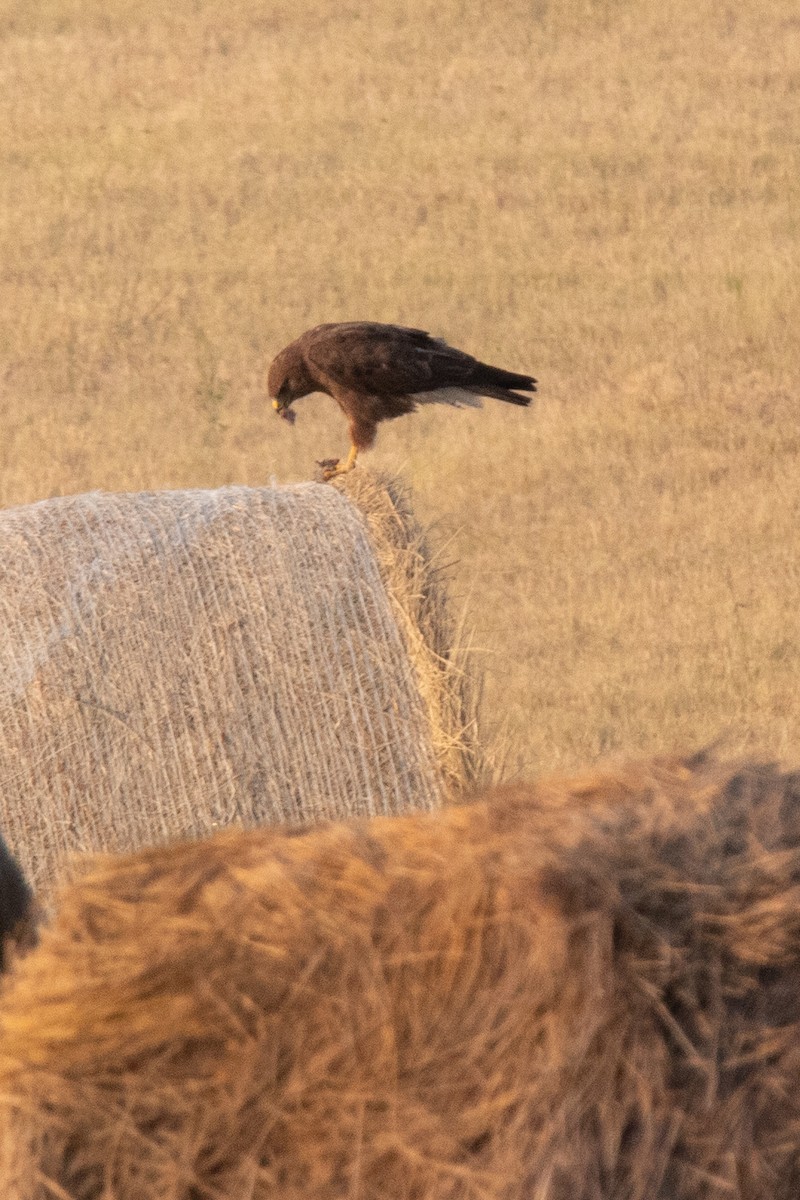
(173, 662)
(587, 988)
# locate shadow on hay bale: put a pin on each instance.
(246, 655)
(18, 918)
(578, 989)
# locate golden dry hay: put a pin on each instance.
(585, 988)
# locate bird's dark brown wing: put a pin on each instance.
(384, 360)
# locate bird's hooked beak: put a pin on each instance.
(283, 410)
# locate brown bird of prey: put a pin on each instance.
(378, 372)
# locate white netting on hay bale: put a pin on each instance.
(172, 662)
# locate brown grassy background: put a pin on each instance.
(607, 195)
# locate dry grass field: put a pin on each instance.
(605, 194)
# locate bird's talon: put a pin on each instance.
(328, 468)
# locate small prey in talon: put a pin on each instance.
(287, 414)
(378, 372)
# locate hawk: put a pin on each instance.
(378, 372)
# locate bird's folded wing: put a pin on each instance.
(385, 361)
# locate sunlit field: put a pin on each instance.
(605, 195)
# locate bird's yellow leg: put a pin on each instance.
(342, 468)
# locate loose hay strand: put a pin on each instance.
(438, 648)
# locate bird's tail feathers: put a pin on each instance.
(502, 385)
(501, 393)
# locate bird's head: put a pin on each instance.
(287, 381)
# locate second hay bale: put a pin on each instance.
(583, 989)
